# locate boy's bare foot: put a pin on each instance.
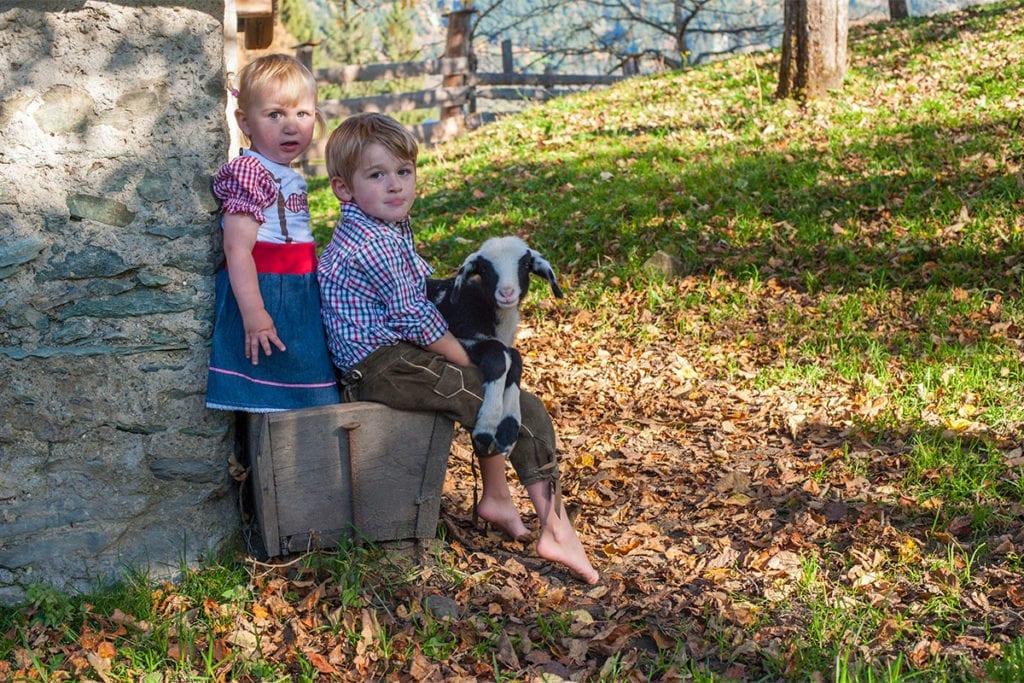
(564, 546)
(558, 541)
(503, 515)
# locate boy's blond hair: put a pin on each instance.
(283, 74)
(350, 139)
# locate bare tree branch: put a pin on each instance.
(662, 33)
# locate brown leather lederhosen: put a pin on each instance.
(408, 377)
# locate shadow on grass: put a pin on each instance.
(919, 213)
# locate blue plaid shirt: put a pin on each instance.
(372, 288)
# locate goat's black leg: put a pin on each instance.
(507, 433)
(493, 358)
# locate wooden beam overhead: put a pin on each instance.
(251, 9)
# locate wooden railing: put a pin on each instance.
(457, 96)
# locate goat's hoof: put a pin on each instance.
(484, 445)
(506, 435)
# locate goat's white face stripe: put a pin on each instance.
(504, 254)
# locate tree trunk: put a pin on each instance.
(813, 48)
(898, 10)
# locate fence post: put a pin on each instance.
(507, 65)
(304, 53)
(456, 46)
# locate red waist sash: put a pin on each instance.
(296, 258)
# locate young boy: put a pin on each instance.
(391, 345)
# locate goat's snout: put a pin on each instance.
(507, 297)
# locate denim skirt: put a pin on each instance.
(299, 377)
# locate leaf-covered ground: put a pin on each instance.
(713, 509)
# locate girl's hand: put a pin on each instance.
(240, 231)
(260, 333)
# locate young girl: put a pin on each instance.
(269, 351)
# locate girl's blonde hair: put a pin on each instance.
(283, 74)
(350, 139)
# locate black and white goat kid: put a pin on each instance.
(481, 305)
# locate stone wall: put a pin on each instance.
(111, 123)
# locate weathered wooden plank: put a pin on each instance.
(387, 104)
(353, 73)
(396, 488)
(546, 80)
(311, 474)
(427, 133)
(264, 490)
(532, 94)
(301, 481)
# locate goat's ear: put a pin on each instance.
(467, 270)
(540, 266)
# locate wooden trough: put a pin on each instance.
(360, 471)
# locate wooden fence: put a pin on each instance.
(457, 96)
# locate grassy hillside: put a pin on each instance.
(705, 164)
(799, 458)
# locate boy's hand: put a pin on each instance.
(260, 333)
